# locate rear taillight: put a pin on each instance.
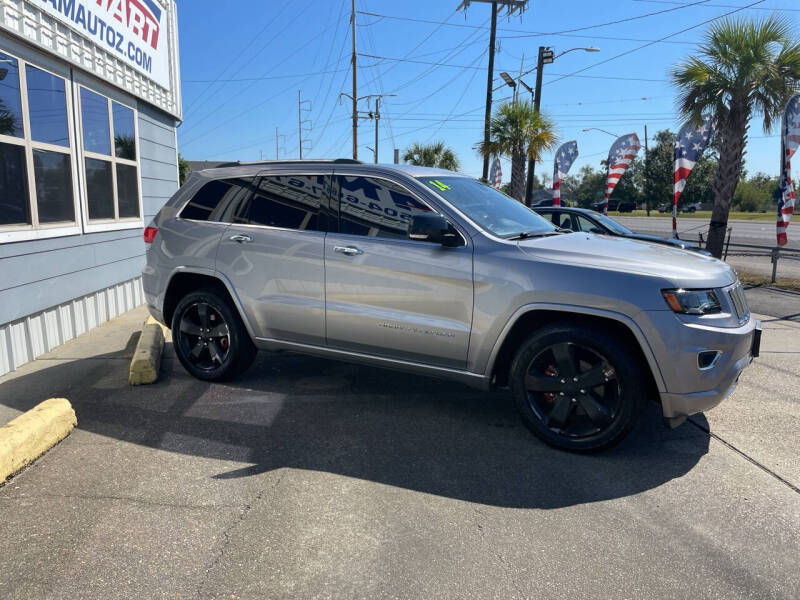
(149, 234)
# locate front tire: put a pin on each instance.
(209, 337)
(576, 388)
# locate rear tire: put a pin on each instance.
(210, 338)
(577, 388)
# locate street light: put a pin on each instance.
(598, 129)
(509, 81)
(545, 57)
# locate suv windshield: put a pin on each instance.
(495, 212)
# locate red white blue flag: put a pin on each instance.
(496, 174)
(565, 156)
(689, 146)
(790, 140)
(621, 155)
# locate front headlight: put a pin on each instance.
(692, 302)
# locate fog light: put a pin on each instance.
(707, 359)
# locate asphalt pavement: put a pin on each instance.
(758, 233)
(308, 478)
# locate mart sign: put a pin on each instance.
(135, 31)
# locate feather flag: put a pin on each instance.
(689, 147)
(496, 174)
(790, 140)
(565, 156)
(620, 157)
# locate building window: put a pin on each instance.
(109, 159)
(36, 152)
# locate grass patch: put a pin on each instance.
(702, 214)
(756, 280)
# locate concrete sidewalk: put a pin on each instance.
(311, 478)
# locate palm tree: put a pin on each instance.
(745, 68)
(432, 155)
(521, 133)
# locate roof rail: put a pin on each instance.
(338, 161)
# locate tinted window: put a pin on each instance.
(211, 199)
(47, 107)
(587, 225)
(289, 201)
(491, 209)
(53, 178)
(99, 189)
(10, 101)
(124, 135)
(94, 115)
(376, 207)
(13, 185)
(127, 191)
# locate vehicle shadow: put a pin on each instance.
(396, 429)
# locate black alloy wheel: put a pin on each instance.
(209, 336)
(204, 336)
(577, 388)
(572, 390)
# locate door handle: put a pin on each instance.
(348, 250)
(242, 239)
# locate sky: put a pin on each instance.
(243, 62)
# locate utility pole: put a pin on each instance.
(519, 79)
(377, 120)
(276, 142)
(511, 6)
(545, 54)
(488, 115)
(355, 85)
(300, 120)
(646, 197)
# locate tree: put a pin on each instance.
(745, 68)
(585, 187)
(659, 174)
(519, 132)
(432, 155)
(183, 169)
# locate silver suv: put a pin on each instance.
(436, 273)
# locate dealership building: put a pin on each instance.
(89, 104)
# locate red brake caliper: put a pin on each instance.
(551, 371)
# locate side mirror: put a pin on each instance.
(432, 228)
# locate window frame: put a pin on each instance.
(111, 95)
(18, 232)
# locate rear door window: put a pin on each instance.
(211, 200)
(288, 201)
(376, 207)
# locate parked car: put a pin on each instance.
(581, 219)
(690, 208)
(432, 272)
(625, 206)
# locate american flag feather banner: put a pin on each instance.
(496, 174)
(621, 155)
(790, 140)
(689, 147)
(565, 156)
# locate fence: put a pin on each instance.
(775, 253)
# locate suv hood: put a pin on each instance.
(681, 267)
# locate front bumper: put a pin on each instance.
(689, 388)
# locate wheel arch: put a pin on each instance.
(530, 318)
(183, 282)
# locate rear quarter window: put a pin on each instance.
(210, 201)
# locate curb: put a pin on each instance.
(146, 359)
(33, 433)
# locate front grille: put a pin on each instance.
(739, 302)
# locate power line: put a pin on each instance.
(767, 8)
(631, 51)
(265, 78)
(538, 33)
(234, 59)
